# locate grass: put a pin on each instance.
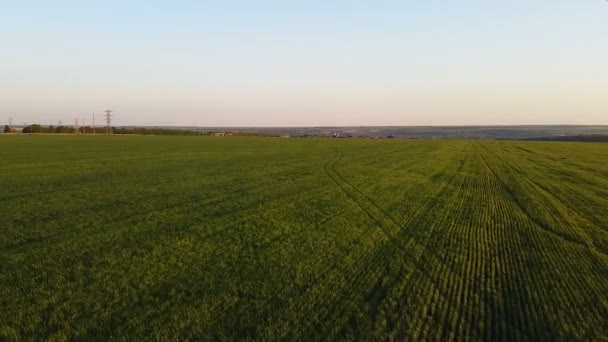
(265, 238)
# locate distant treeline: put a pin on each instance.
(583, 138)
(155, 131)
(35, 128)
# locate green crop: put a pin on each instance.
(131, 237)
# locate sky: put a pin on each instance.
(305, 63)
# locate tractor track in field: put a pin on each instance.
(395, 232)
(399, 240)
(373, 211)
(587, 242)
(514, 198)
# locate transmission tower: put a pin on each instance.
(108, 116)
(75, 125)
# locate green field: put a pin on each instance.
(265, 238)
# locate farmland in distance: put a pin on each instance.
(267, 238)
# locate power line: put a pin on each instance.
(108, 116)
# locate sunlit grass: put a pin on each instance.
(266, 238)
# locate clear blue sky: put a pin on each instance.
(305, 63)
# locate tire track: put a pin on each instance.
(373, 211)
(514, 198)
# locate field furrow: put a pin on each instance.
(248, 238)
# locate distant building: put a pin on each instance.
(219, 134)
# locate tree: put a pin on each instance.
(7, 129)
(60, 129)
(32, 129)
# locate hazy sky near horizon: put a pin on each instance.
(305, 63)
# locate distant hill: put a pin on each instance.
(538, 132)
(583, 138)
